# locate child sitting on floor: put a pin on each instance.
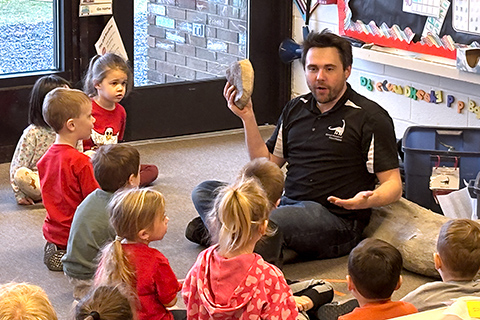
(239, 220)
(115, 166)
(25, 301)
(33, 144)
(138, 217)
(374, 268)
(105, 303)
(228, 280)
(66, 174)
(457, 260)
(107, 81)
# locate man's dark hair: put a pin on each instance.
(374, 267)
(327, 39)
(113, 164)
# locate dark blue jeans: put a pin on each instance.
(306, 227)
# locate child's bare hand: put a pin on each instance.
(303, 303)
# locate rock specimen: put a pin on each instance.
(240, 74)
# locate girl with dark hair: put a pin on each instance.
(33, 143)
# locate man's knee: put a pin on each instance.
(205, 190)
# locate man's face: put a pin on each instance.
(324, 72)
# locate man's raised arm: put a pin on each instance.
(253, 139)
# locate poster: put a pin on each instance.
(111, 41)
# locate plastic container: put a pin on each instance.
(476, 191)
(424, 146)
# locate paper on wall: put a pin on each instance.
(111, 41)
(95, 7)
(422, 7)
(433, 25)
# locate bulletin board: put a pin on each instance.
(391, 13)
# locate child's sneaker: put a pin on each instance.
(332, 310)
(53, 257)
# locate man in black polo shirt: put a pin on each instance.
(337, 145)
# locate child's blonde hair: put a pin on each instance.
(269, 175)
(242, 208)
(131, 210)
(24, 301)
(100, 66)
(458, 246)
(62, 104)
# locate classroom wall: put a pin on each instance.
(404, 110)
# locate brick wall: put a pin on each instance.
(195, 39)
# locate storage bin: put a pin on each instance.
(424, 146)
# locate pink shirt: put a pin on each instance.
(243, 287)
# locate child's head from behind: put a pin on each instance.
(69, 109)
(26, 302)
(116, 166)
(105, 303)
(138, 214)
(458, 248)
(243, 210)
(102, 67)
(374, 267)
(269, 175)
(40, 89)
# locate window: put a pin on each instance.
(28, 36)
(188, 40)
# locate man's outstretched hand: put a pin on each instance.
(360, 201)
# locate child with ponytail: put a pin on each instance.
(104, 303)
(107, 81)
(138, 217)
(229, 280)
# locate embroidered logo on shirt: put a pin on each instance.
(337, 132)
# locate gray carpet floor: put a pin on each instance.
(183, 163)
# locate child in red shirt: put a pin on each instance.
(108, 80)
(66, 175)
(138, 217)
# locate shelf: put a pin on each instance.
(428, 64)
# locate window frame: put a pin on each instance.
(63, 55)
